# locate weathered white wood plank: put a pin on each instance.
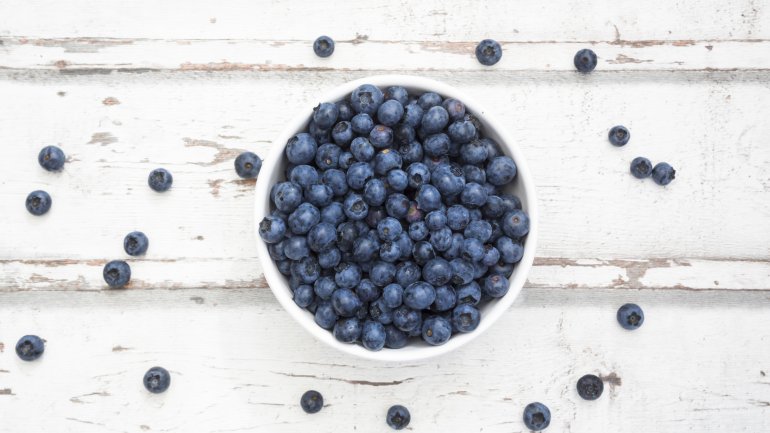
(395, 20)
(95, 55)
(117, 128)
(238, 362)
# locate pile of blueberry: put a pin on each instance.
(392, 221)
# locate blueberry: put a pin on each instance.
(284, 267)
(304, 295)
(324, 287)
(345, 302)
(374, 192)
(329, 259)
(455, 108)
(325, 317)
(419, 295)
(405, 244)
(346, 160)
(247, 165)
(495, 285)
(135, 243)
(345, 110)
(428, 198)
(304, 176)
(397, 180)
(407, 273)
(362, 124)
(435, 120)
(488, 52)
(366, 99)
(474, 152)
(403, 135)
(398, 417)
(619, 135)
(382, 273)
(432, 162)
(373, 335)
(441, 239)
(480, 270)
(328, 156)
(537, 416)
(413, 115)
(397, 205)
(296, 247)
(663, 173)
(501, 170)
(465, 318)
(322, 237)
(276, 251)
(493, 149)
(436, 145)
(436, 330)
(395, 338)
(418, 175)
(30, 347)
(414, 213)
(515, 224)
(437, 272)
(473, 195)
(347, 330)
(306, 269)
(287, 196)
(388, 229)
(380, 312)
(160, 180)
(590, 387)
(390, 112)
(406, 319)
(510, 202)
(390, 252)
(491, 255)
(325, 115)
(348, 275)
(319, 195)
(116, 273)
(472, 250)
(630, 316)
(493, 208)
(462, 132)
(355, 207)
(301, 149)
(157, 380)
(510, 251)
(381, 137)
(342, 133)
(585, 60)
(323, 46)
(429, 100)
(358, 174)
(449, 179)
(397, 93)
(641, 167)
(337, 181)
(457, 217)
(311, 401)
(478, 229)
(436, 220)
(418, 231)
(392, 295)
(51, 158)
(446, 298)
(362, 149)
(469, 293)
(463, 271)
(304, 218)
(319, 134)
(375, 215)
(333, 213)
(386, 160)
(38, 202)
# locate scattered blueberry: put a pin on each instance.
(160, 180)
(247, 165)
(488, 52)
(585, 60)
(590, 387)
(663, 173)
(641, 167)
(630, 316)
(116, 273)
(30, 347)
(398, 417)
(311, 401)
(51, 158)
(136, 243)
(38, 202)
(619, 135)
(323, 46)
(537, 416)
(157, 380)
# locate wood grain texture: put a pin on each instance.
(239, 363)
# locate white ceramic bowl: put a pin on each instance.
(272, 172)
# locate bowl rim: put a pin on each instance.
(277, 281)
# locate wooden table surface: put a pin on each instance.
(125, 87)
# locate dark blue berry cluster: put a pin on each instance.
(392, 221)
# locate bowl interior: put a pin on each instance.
(273, 172)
